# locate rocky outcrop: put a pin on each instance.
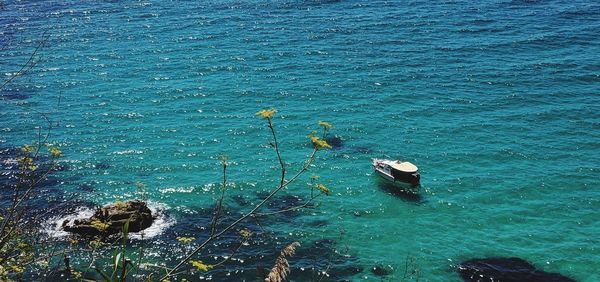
(506, 270)
(110, 220)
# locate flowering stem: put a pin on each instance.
(276, 145)
(243, 217)
(219, 205)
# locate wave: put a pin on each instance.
(161, 223)
(53, 226)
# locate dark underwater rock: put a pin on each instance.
(324, 255)
(506, 270)
(318, 223)
(240, 200)
(110, 220)
(101, 165)
(15, 94)
(380, 270)
(284, 202)
(336, 142)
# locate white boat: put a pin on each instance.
(397, 171)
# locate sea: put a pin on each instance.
(496, 102)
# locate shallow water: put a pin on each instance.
(497, 102)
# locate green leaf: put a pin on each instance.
(116, 261)
(106, 278)
(125, 231)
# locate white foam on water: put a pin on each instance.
(161, 223)
(53, 226)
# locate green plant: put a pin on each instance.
(121, 265)
(17, 254)
(318, 142)
(16, 238)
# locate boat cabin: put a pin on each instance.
(398, 171)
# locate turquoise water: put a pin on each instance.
(497, 102)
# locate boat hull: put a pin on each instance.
(413, 180)
(382, 168)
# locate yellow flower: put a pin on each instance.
(76, 274)
(22, 245)
(319, 143)
(99, 224)
(25, 161)
(17, 269)
(323, 189)
(55, 152)
(267, 113)
(185, 240)
(27, 149)
(95, 244)
(325, 124)
(200, 265)
(245, 233)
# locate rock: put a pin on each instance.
(380, 270)
(506, 270)
(110, 220)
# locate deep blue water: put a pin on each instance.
(497, 102)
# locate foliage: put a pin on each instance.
(18, 254)
(323, 189)
(319, 144)
(266, 113)
(325, 124)
(185, 240)
(101, 225)
(198, 264)
(121, 265)
(245, 233)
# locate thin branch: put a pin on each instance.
(25, 68)
(305, 205)
(325, 272)
(16, 203)
(230, 256)
(219, 205)
(252, 212)
(29, 64)
(276, 145)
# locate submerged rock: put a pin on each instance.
(110, 220)
(380, 270)
(336, 142)
(506, 270)
(101, 165)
